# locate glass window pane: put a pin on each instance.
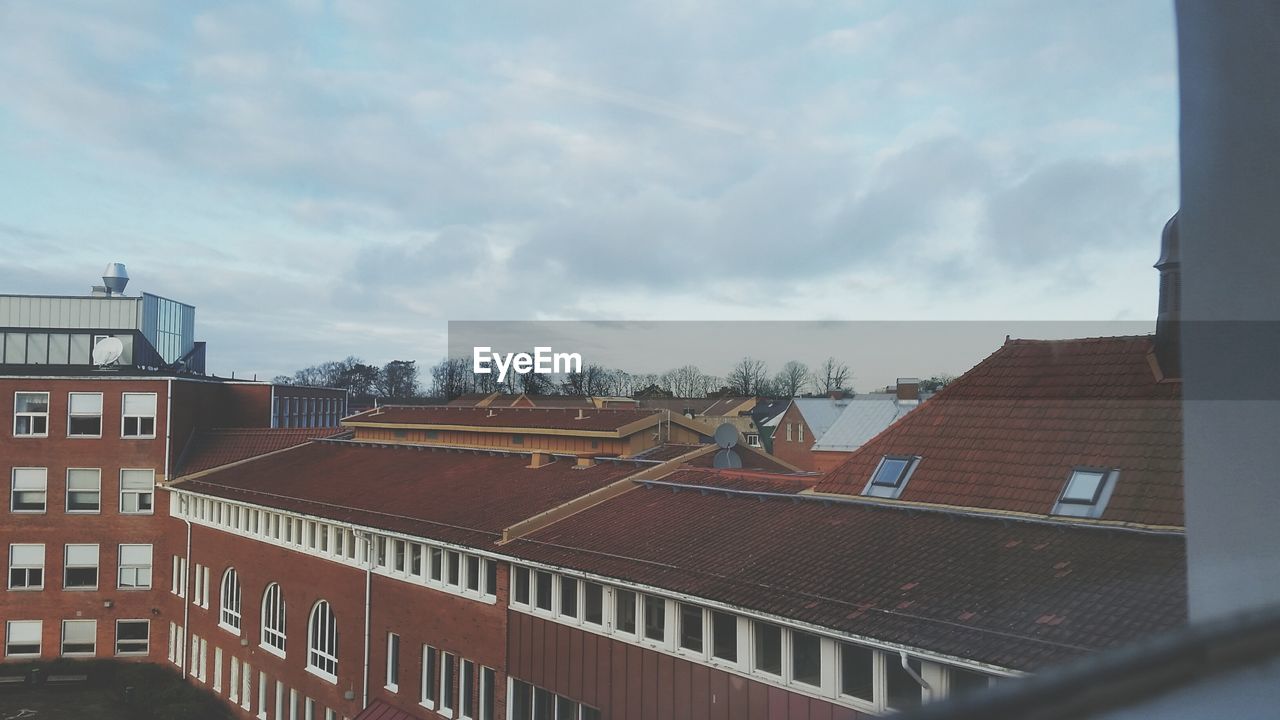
(655, 618)
(691, 627)
(857, 671)
(768, 647)
(806, 658)
(624, 610)
(903, 690)
(724, 636)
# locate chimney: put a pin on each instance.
(1168, 332)
(585, 461)
(908, 391)
(538, 459)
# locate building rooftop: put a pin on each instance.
(820, 413)
(530, 419)
(1008, 434)
(222, 446)
(1016, 595)
(864, 417)
(449, 494)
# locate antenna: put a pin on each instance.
(726, 436)
(107, 351)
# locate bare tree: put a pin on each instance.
(832, 376)
(791, 379)
(936, 383)
(747, 377)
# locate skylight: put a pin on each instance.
(890, 476)
(1086, 492)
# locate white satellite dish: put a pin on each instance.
(726, 437)
(107, 351)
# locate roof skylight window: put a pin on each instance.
(1086, 493)
(890, 476)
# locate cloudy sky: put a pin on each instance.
(323, 178)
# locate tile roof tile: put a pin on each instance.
(212, 448)
(1007, 434)
(588, 419)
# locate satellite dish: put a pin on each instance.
(726, 435)
(107, 351)
(726, 458)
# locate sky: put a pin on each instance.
(324, 178)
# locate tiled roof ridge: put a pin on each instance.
(639, 462)
(974, 513)
(1090, 339)
(512, 409)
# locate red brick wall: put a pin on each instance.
(824, 461)
(794, 451)
(55, 527)
(467, 628)
(627, 682)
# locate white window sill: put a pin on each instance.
(273, 650)
(323, 675)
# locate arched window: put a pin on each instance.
(322, 641)
(230, 615)
(273, 619)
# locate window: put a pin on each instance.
(136, 491)
(436, 556)
(890, 471)
(903, 691)
(542, 588)
(446, 682)
(273, 635)
(233, 684)
(487, 681)
(393, 662)
(84, 490)
(521, 594)
(593, 603)
(655, 618)
(22, 638)
(857, 671)
(322, 642)
(31, 414)
(767, 645)
(724, 636)
(890, 476)
(399, 547)
(84, 414)
(138, 415)
(229, 616)
(788, 432)
(624, 611)
(1086, 493)
(806, 658)
(799, 432)
(26, 567)
(490, 577)
(465, 680)
(80, 571)
(453, 569)
(415, 560)
(30, 488)
(135, 567)
(517, 439)
(753, 440)
(79, 637)
(132, 637)
(690, 627)
(429, 659)
(473, 573)
(568, 597)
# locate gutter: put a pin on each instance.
(902, 657)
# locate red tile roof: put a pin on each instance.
(1010, 593)
(1007, 434)
(754, 481)
(212, 448)
(452, 495)
(591, 420)
(667, 451)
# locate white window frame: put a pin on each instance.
(447, 694)
(82, 623)
(274, 610)
(146, 642)
(29, 485)
(71, 413)
(125, 417)
(31, 415)
(466, 674)
(229, 602)
(327, 653)
(67, 566)
(429, 682)
(26, 567)
(393, 662)
(9, 628)
(136, 569)
(97, 490)
(131, 486)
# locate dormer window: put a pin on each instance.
(1086, 492)
(891, 475)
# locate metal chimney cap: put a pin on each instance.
(1170, 254)
(115, 278)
